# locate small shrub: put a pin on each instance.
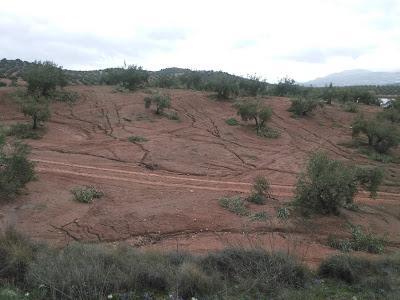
(235, 205)
(16, 254)
(137, 139)
(261, 190)
(283, 213)
(342, 267)
(303, 106)
(192, 281)
(65, 96)
(173, 116)
(259, 216)
(350, 107)
(232, 122)
(3, 84)
(359, 241)
(270, 133)
(256, 270)
(86, 194)
(23, 131)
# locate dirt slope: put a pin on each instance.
(164, 193)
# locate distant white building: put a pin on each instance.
(385, 102)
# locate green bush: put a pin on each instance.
(160, 101)
(381, 135)
(325, 186)
(137, 139)
(23, 131)
(254, 110)
(232, 122)
(303, 106)
(226, 88)
(86, 194)
(3, 84)
(329, 184)
(235, 205)
(15, 169)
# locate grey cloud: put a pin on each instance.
(27, 40)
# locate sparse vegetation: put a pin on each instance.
(259, 216)
(283, 213)
(234, 204)
(36, 107)
(137, 139)
(80, 271)
(232, 122)
(23, 131)
(160, 101)
(359, 241)
(86, 194)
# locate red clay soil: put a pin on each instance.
(163, 193)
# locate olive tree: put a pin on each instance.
(160, 101)
(36, 107)
(328, 184)
(15, 169)
(44, 77)
(254, 110)
(382, 135)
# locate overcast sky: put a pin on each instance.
(301, 39)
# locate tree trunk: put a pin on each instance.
(34, 126)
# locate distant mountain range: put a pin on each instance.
(356, 77)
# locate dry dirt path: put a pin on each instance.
(186, 182)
